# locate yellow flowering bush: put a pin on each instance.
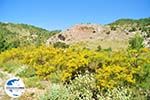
(43, 59)
(114, 75)
(110, 68)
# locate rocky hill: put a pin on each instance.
(114, 35)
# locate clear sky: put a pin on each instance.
(60, 14)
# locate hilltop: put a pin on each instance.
(115, 35)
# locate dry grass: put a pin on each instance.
(114, 45)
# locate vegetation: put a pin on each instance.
(75, 72)
(133, 25)
(104, 70)
(136, 42)
(17, 35)
(60, 45)
(141, 22)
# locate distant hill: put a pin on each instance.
(139, 22)
(114, 35)
(142, 25)
(15, 35)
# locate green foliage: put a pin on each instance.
(113, 28)
(18, 35)
(26, 72)
(56, 92)
(144, 21)
(144, 78)
(147, 30)
(108, 49)
(2, 75)
(133, 29)
(55, 77)
(140, 94)
(33, 82)
(11, 66)
(60, 45)
(7, 41)
(132, 25)
(136, 42)
(99, 48)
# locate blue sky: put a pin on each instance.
(61, 14)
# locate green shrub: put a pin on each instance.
(144, 78)
(133, 29)
(113, 28)
(56, 92)
(26, 72)
(55, 77)
(33, 82)
(60, 45)
(108, 49)
(99, 48)
(136, 42)
(11, 66)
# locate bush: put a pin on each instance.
(133, 29)
(99, 48)
(56, 92)
(118, 93)
(113, 28)
(33, 82)
(112, 76)
(11, 66)
(60, 45)
(109, 69)
(26, 72)
(108, 49)
(136, 42)
(83, 87)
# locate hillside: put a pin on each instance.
(15, 35)
(85, 62)
(114, 35)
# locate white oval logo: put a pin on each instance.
(14, 87)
